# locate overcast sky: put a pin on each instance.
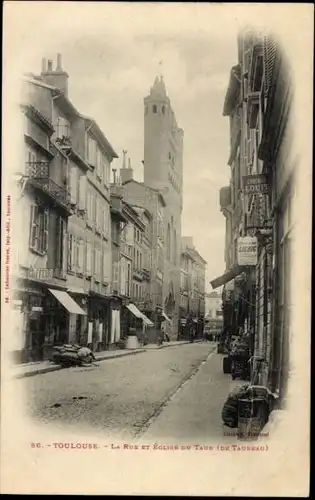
(112, 55)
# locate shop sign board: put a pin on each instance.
(256, 184)
(40, 273)
(247, 249)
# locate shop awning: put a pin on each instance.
(67, 302)
(166, 317)
(226, 277)
(135, 311)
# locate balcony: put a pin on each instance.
(38, 176)
(137, 274)
(63, 136)
(146, 274)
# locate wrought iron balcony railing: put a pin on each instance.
(137, 274)
(146, 273)
(38, 175)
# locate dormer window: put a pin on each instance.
(154, 108)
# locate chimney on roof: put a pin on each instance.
(124, 158)
(44, 63)
(57, 78)
(114, 175)
(59, 65)
(126, 174)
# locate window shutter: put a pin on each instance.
(104, 219)
(89, 215)
(82, 193)
(93, 206)
(81, 256)
(97, 212)
(88, 258)
(105, 261)
(106, 171)
(45, 230)
(58, 244)
(34, 226)
(129, 235)
(73, 185)
(73, 253)
(70, 245)
(100, 214)
(63, 244)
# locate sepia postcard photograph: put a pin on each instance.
(156, 248)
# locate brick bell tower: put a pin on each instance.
(163, 170)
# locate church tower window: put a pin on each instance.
(154, 108)
(163, 110)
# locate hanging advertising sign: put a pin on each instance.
(256, 184)
(247, 249)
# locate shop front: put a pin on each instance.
(42, 317)
(78, 322)
(28, 323)
(114, 334)
(60, 309)
(139, 323)
(97, 331)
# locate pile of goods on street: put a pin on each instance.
(229, 412)
(248, 406)
(72, 355)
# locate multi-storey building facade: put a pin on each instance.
(143, 238)
(44, 202)
(193, 273)
(152, 202)
(69, 238)
(163, 170)
(258, 204)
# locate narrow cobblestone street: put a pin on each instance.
(121, 397)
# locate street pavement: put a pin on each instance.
(121, 396)
(193, 415)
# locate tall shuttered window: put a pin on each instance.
(39, 229)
